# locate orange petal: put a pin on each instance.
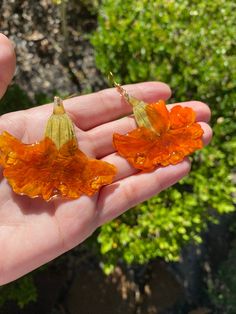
(29, 171)
(41, 170)
(173, 146)
(181, 117)
(9, 146)
(81, 175)
(134, 146)
(145, 151)
(158, 116)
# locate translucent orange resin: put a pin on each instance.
(43, 170)
(55, 166)
(172, 136)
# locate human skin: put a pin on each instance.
(32, 231)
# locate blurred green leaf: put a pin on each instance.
(22, 291)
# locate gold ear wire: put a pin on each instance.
(71, 96)
(112, 79)
(120, 89)
(139, 106)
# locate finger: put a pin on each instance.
(203, 112)
(126, 170)
(101, 136)
(116, 198)
(207, 135)
(7, 63)
(91, 110)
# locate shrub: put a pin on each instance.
(14, 99)
(21, 291)
(191, 46)
(17, 99)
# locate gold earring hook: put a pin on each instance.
(119, 88)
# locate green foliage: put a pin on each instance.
(21, 291)
(151, 229)
(15, 99)
(191, 46)
(222, 289)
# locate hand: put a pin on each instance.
(32, 231)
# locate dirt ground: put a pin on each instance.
(51, 59)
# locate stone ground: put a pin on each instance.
(50, 59)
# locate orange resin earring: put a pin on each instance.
(54, 166)
(161, 138)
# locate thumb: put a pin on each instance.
(7, 63)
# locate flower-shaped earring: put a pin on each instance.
(162, 137)
(55, 166)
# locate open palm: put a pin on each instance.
(32, 231)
